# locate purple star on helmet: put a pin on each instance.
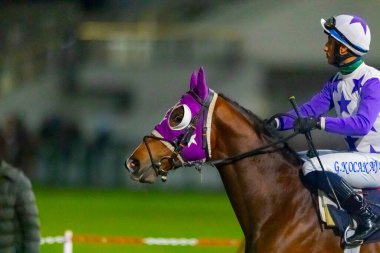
(371, 149)
(343, 103)
(356, 19)
(351, 143)
(357, 84)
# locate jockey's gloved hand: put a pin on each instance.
(271, 123)
(304, 125)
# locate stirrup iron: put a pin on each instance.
(345, 236)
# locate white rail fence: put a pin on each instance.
(69, 238)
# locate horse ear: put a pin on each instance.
(193, 80)
(202, 88)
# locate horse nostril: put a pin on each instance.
(132, 165)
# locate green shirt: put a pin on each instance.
(350, 67)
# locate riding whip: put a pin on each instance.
(310, 142)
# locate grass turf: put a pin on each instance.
(136, 214)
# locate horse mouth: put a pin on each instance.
(144, 176)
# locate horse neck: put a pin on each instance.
(257, 186)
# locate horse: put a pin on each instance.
(261, 174)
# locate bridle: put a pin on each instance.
(183, 139)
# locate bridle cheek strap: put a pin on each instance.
(207, 111)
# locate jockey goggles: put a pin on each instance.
(330, 23)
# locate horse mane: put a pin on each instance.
(263, 131)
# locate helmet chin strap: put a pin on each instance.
(338, 58)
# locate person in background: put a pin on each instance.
(19, 220)
(18, 148)
(354, 93)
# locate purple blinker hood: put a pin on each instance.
(196, 149)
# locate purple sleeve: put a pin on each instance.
(319, 104)
(368, 110)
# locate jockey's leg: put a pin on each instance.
(340, 178)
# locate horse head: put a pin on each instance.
(181, 138)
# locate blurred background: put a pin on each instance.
(81, 82)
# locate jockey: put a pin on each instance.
(354, 93)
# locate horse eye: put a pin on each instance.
(180, 117)
(176, 116)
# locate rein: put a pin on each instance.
(260, 150)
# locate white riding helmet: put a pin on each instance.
(352, 31)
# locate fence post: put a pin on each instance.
(68, 243)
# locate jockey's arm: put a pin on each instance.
(362, 121)
(319, 104)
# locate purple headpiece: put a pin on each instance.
(191, 101)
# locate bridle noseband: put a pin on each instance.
(157, 165)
